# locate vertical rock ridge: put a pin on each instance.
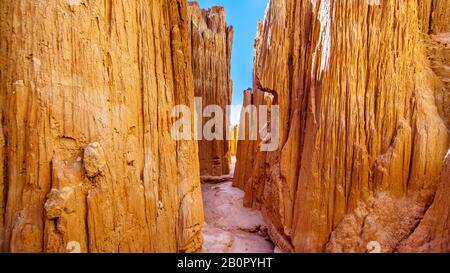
(234, 140)
(433, 16)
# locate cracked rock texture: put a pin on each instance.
(233, 142)
(211, 45)
(432, 234)
(87, 159)
(363, 125)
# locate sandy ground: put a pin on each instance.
(229, 227)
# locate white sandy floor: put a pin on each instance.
(229, 227)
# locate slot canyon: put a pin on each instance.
(89, 162)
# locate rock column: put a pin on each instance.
(363, 129)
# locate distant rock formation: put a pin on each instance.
(211, 45)
(87, 159)
(363, 126)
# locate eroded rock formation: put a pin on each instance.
(211, 45)
(432, 234)
(87, 159)
(251, 162)
(363, 125)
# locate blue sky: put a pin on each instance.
(243, 15)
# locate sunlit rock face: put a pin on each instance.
(211, 45)
(88, 163)
(363, 125)
(234, 140)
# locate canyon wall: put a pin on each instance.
(211, 45)
(363, 125)
(432, 234)
(251, 163)
(87, 159)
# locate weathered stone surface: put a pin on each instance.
(433, 233)
(94, 160)
(230, 227)
(249, 172)
(211, 45)
(234, 140)
(362, 123)
(244, 152)
(87, 90)
(433, 15)
(439, 54)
